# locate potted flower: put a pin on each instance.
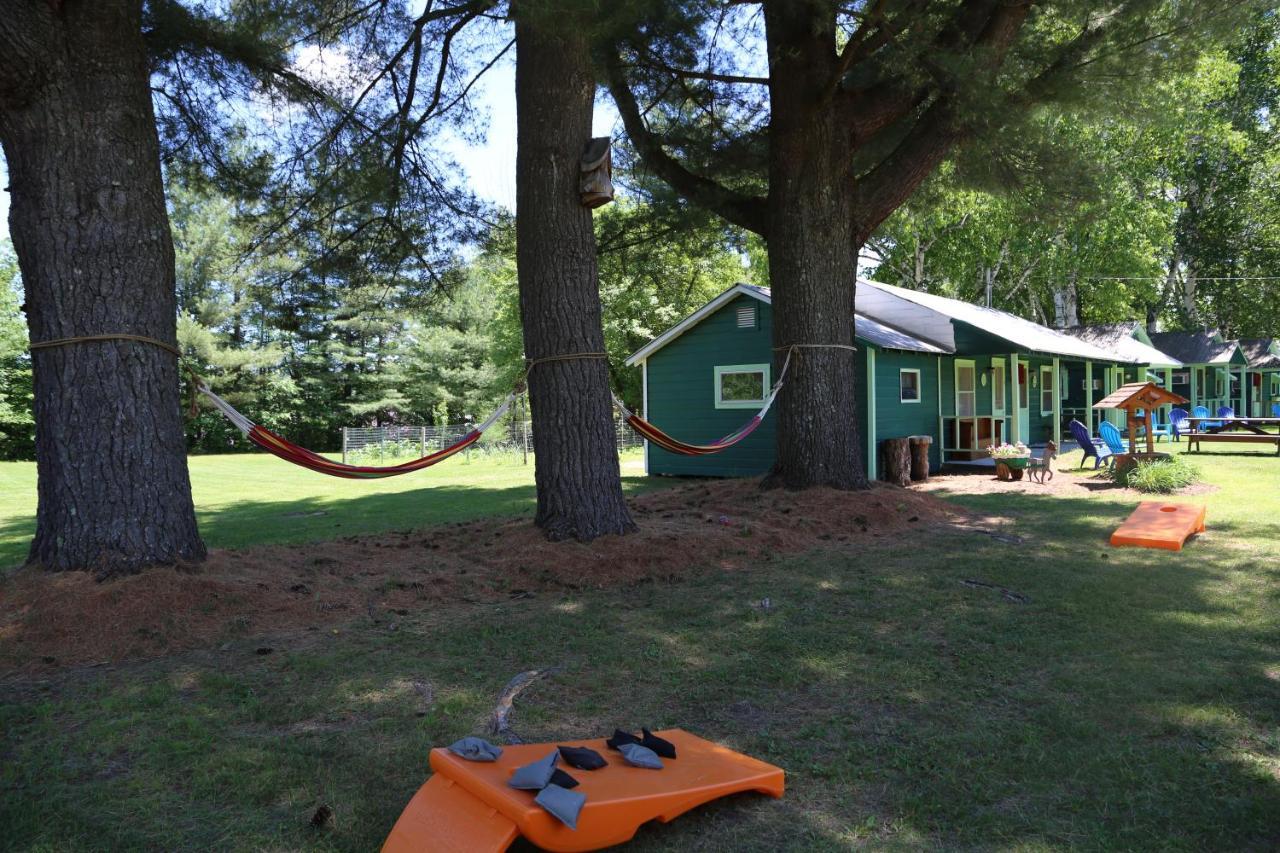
(1014, 455)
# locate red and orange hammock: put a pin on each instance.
(290, 452)
(657, 437)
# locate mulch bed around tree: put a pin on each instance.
(53, 620)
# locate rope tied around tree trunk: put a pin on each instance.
(791, 347)
(194, 381)
(121, 336)
(530, 363)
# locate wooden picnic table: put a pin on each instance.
(1226, 424)
(1253, 432)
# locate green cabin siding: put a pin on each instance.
(681, 391)
(895, 419)
(681, 400)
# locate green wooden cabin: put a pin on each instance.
(966, 375)
(1262, 376)
(1129, 339)
(1213, 372)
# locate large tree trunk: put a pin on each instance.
(91, 231)
(576, 457)
(813, 253)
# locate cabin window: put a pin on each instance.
(741, 386)
(747, 317)
(1047, 390)
(966, 390)
(998, 378)
(1064, 384)
(1275, 385)
(908, 386)
(1024, 388)
(1182, 377)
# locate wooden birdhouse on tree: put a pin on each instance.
(1138, 400)
(596, 186)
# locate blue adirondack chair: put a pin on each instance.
(1226, 412)
(1111, 435)
(1203, 412)
(1178, 422)
(1090, 445)
(1159, 430)
(1275, 410)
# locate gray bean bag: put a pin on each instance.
(561, 804)
(640, 756)
(535, 775)
(475, 749)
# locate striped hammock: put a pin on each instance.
(672, 445)
(290, 452)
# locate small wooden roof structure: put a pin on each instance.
(1139, 397)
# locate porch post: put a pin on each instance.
(1243, 411)
(1015, 412)
(872, 473)
(1195, 386)
(942, 436)
(1057, 403)
(1088, 396)
(1168, 386)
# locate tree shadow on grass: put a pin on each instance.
(1127, 704)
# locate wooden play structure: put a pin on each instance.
(468, 807)
(1160, 525)
(1138, 400)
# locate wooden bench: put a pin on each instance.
(1194, 439)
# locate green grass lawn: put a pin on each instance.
(1133, 702)
(253, 499)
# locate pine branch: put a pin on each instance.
(748, 212)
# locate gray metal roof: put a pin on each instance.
(930, 316)
(865, 328)
(1121, 338)
(1262, 353)
(886, 337)
(1194, 347)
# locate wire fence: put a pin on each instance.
(514, 438)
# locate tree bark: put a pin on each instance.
(813, 253)
(575, 449)
(895, 461)
(91, 231)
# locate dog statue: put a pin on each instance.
(1041, 470)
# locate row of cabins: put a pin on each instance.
(966, 375)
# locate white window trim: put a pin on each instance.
(721, 369)
(1046, 370)
(1003, 385)
(919, 387)
(973, 365)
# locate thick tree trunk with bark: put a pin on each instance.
(813, 254)
(576, 457)
(91, 231)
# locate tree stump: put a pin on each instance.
(920, 457)
(895, 461)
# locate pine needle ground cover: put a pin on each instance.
(937, 687)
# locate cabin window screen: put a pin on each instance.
(1182, 377)
(908, 386)
(966, 390)
(1047, 390)
(747, 317)
(998, 381)
(741, 386)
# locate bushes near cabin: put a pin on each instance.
(1159, 476)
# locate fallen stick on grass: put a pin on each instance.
(501, 724)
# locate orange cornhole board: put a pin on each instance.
(1160, 525)
(467, 806)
